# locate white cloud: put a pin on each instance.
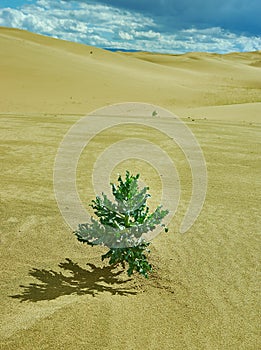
(150, 34)
(125, 36)
(105, 26)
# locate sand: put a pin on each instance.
(204, 291)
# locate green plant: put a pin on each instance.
(121, 225)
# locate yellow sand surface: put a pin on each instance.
(204, 292)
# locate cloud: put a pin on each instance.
(240, 16)
(102, 25)
(125, 36)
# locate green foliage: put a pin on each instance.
(134, 256)
(122, 223)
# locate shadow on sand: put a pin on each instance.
(79, 282)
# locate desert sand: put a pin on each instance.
(56, 293)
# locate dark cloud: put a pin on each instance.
(239, 16)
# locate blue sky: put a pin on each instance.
(168, 26)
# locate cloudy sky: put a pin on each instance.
(169, 26)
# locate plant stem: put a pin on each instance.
(126, 220)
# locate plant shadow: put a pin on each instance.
(80, 281)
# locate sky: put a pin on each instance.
(167, 26)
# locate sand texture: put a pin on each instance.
(56, 293)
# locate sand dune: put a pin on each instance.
(204, 291)
(44, 75)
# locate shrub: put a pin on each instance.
(121, 225)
